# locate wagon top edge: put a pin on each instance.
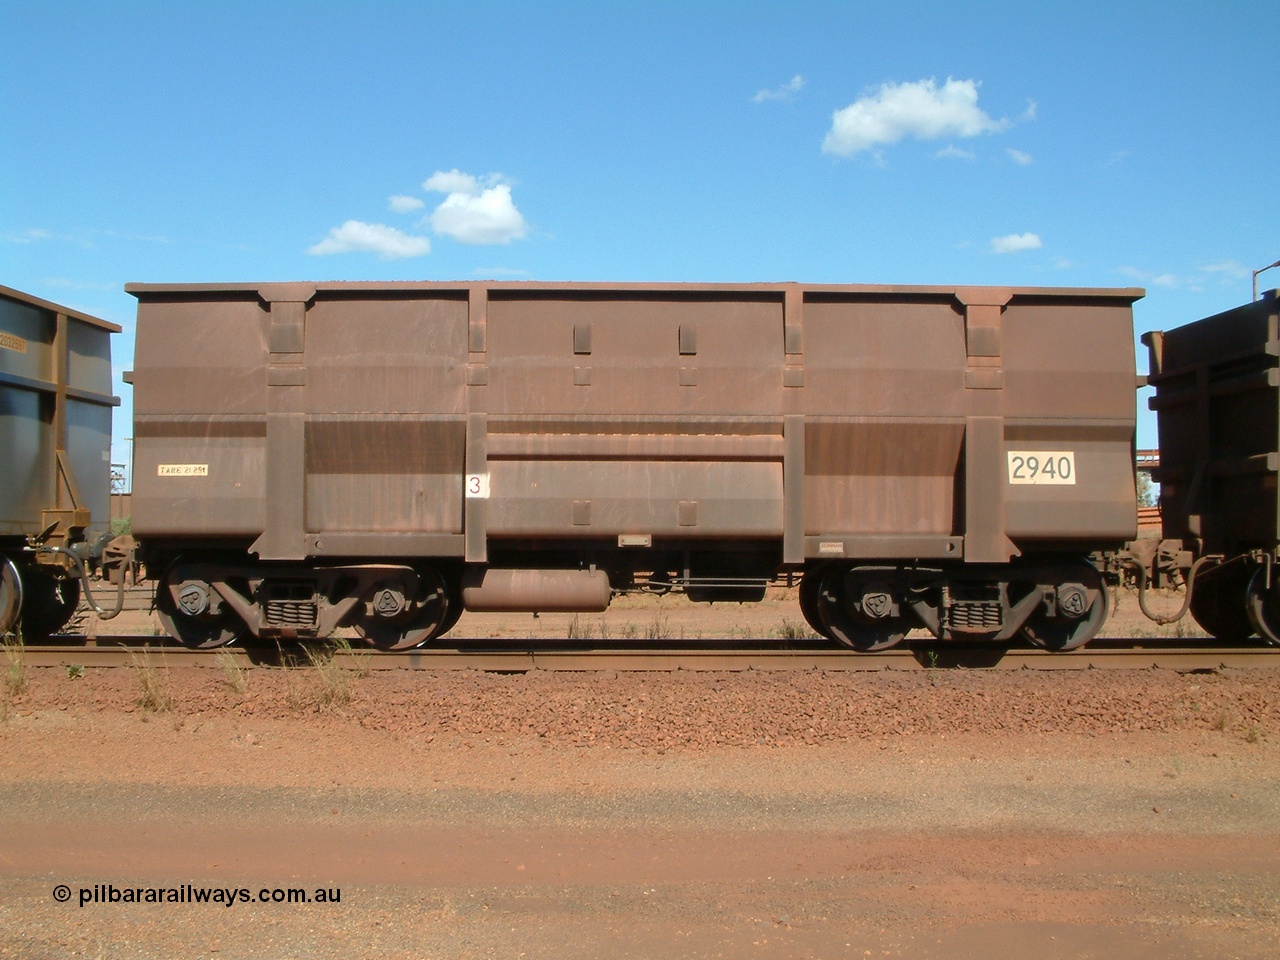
(9, 293)
(305, 290)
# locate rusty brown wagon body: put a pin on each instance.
(380, 454)
(55, 452)
(1217, 399)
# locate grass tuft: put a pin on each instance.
(15, 666)
(658, 628)
(330, 681)
(795, 630)
(579, 629)
(233, 675)
(155, 693)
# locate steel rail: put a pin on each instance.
(727, 656)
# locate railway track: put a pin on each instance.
(516, 656)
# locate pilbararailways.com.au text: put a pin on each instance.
(106, 893)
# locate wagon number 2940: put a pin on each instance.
(1042, 466)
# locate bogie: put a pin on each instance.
(1054, 604)
(212, 603)
(39, 601)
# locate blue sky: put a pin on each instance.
(1072, 144)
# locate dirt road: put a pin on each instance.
(950, 815)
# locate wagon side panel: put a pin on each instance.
(1218, 398)
(616, 412)
(1069, 420)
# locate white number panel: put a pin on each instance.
(1042, 466)
(477, 486)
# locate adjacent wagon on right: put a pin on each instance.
(1217, 384)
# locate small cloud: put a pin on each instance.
(1018, 157)
(1030, 113)
(82, 238)
(785, 92)
(1062, 263)
(475, 212)
(1168, 280)
(1016, 243)
(1119, 157)
(41, 235)
(454, 181)
(1228, 270)
(1223, 273)
(952, 152)
(403, 204)
(921, 110)
(357, 237)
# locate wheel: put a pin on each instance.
(405, 612)
(859, 610)
(1080, 614)
(10, 596)
(811, 602)
(48, 603)
(1219, 603)
(191, 612)
(1264, 605)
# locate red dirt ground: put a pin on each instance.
(940, 814)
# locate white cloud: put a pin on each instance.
(455, 181)
(473, 212)
(1228, 270)
(1016, 243)
(1153, 279)
(1018, 157)
(785, 92)
(83, 238)
(34, 235)
(1030, 113)
(387, 242)
(952, 152)
(922, 110)
(403, 204)
(1226, 273)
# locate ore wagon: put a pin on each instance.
(1217, 398)
(383, 456)
(55, 456)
